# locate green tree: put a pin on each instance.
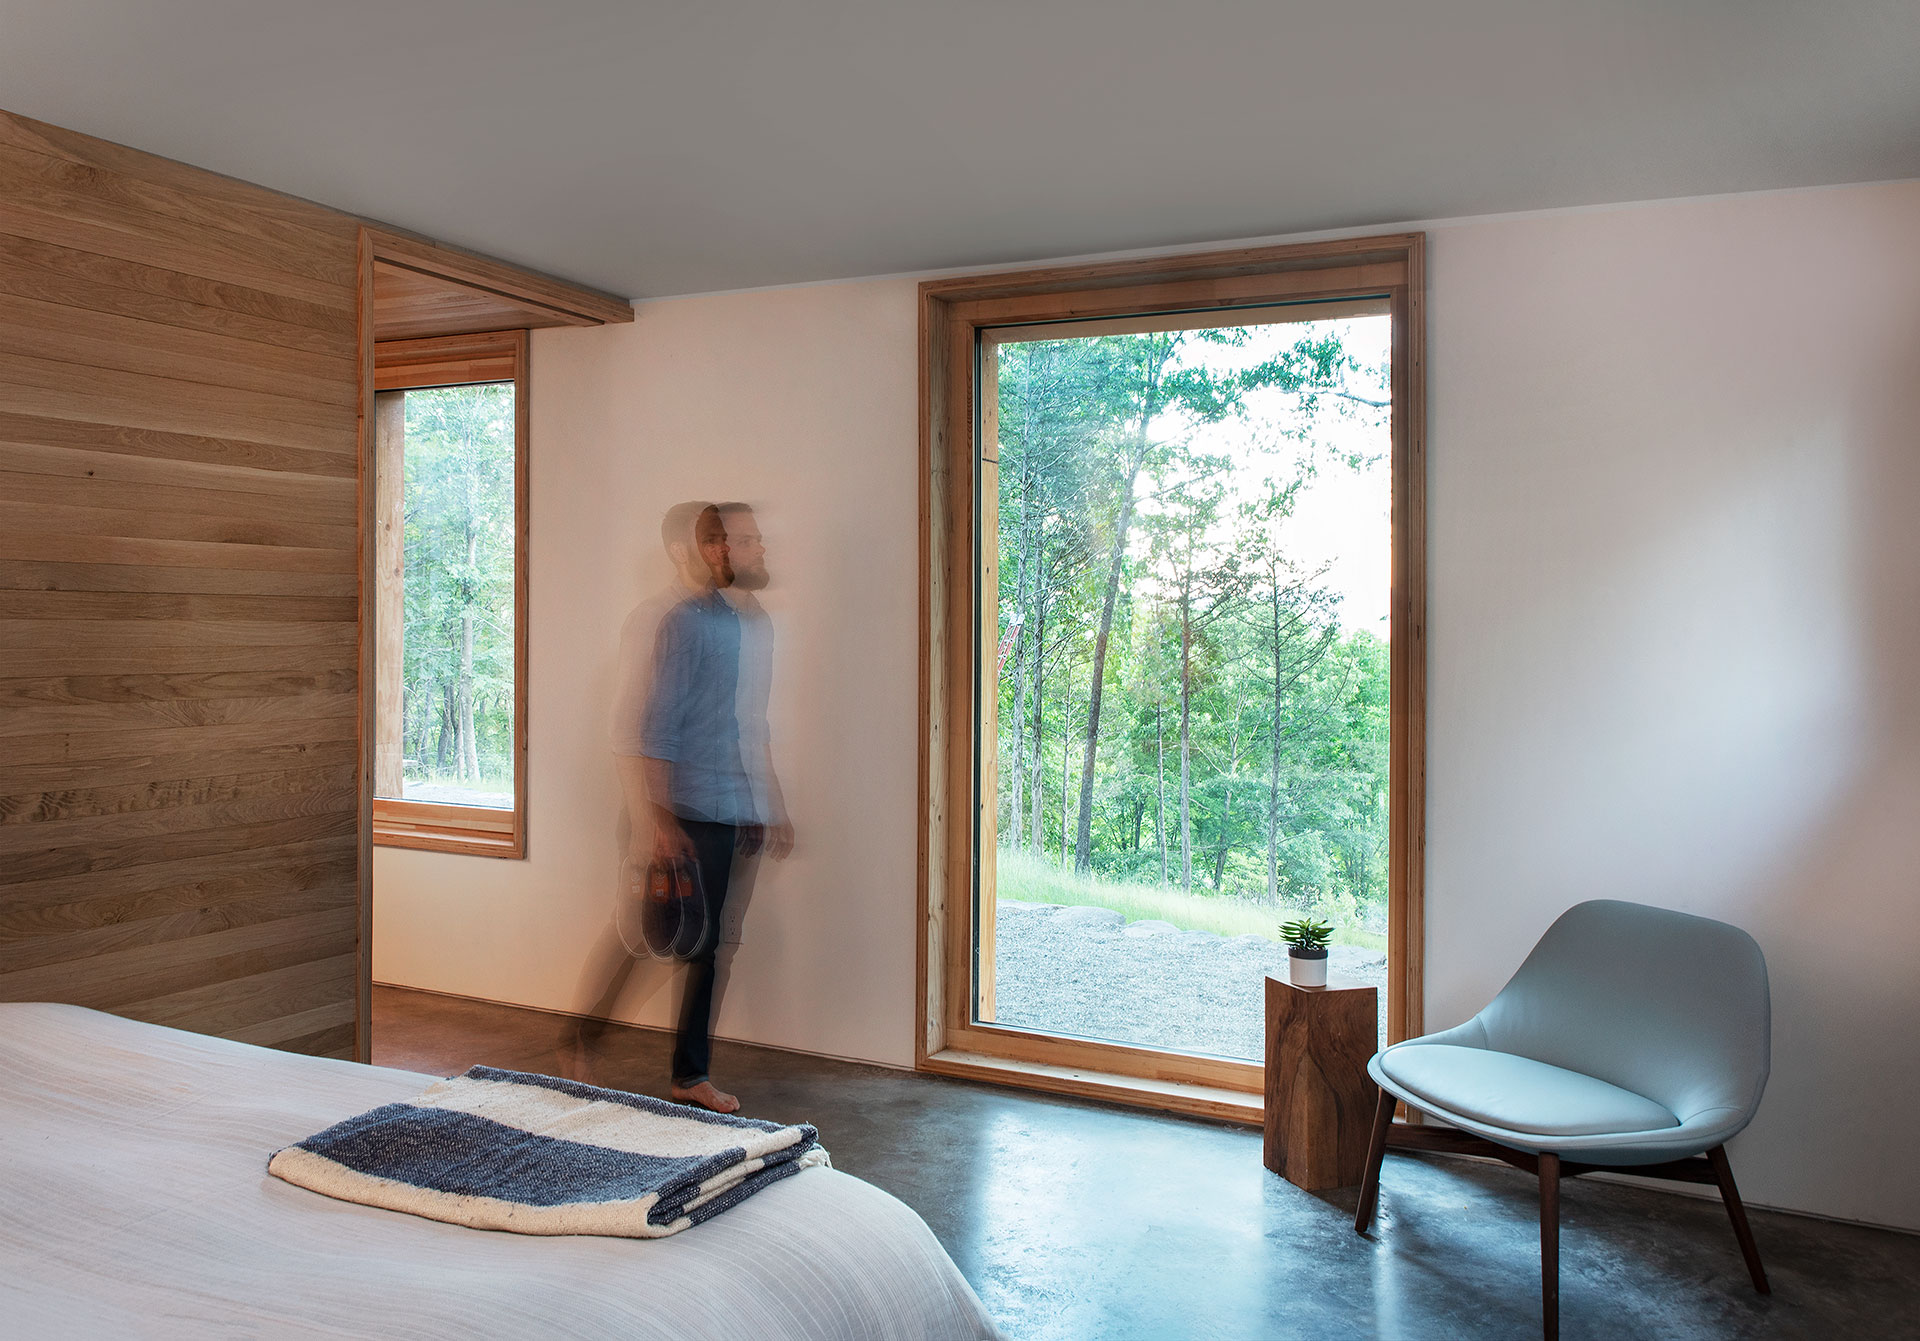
(459, 550)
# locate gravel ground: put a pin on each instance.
(1089, 972)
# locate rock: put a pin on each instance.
(1090, 919)
(1195, 936)
(1249, 941)
(1148, 926)
(1019, 905)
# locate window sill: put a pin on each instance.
(1169, 1096)
(471, 831)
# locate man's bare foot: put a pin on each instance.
(576, 1057)
(705, 1095)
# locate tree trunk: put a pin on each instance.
(1038, 833)
(447, 720)
(1160, 786)
(1066, 762)
(469, 749)
(1273, 764)
(1023, 588)
(1116, 564)
(1226, 809)
(1186, 743)
(1150, 392)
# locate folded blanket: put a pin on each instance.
(539, 1155)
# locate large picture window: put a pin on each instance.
(449, 763)
(1173, 670)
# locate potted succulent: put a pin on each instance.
(1306, 952)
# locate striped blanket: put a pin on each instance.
(538, 1155)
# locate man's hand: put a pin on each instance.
(779, 840)
(671, 843)
(775, 839)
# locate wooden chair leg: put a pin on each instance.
(1738, 1214)
(1550, 1245)
(1376, 1154)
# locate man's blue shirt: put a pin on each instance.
(691, 720)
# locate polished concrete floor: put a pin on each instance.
(1076, 1221)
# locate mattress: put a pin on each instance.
(135, 1201)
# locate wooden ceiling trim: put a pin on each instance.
(491, 356)
(540, 299)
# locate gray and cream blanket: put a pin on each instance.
(539, 1155)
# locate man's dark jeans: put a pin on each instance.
(713, 847)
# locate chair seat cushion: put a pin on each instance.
(1517, 1093)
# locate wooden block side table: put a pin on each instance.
(1320, 1100)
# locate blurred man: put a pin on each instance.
(694, 762)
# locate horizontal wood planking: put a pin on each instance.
(59, 519)
(17, 954)
(43, 663)
(270, 254)
(147, 971)
(41, 808)
(328, 502)
(81, 902)
(69, 277)
(103, 340)
(328, 493)
(104, 855)
(179, 595)
(172, 605)
(175, 553)
(103, 395)
(333, 1021)
(119, 718)
(66, 747)
(242, 197)
(134, 635)
(260, 463)
(152, 687)
(255, 1001)
(145, 200)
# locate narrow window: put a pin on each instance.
(450, 565)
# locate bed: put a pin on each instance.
(135, 1201)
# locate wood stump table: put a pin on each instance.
(1320, 1099)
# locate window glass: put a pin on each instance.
(457, 697)
(1192, 694)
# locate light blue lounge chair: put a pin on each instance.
(1632, 1038)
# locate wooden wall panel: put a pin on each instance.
(179, 599)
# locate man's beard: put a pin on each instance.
(749, 579)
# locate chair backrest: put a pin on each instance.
(1665, 1004)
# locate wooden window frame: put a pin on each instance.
(435, 361)
(955, 644)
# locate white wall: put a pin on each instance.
(1675, 627)
(1674, 633)
(801, 402)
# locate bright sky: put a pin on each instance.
(1343, 517)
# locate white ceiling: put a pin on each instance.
(653, 149)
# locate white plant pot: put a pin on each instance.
(1307, 972)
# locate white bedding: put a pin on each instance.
(135, 1202)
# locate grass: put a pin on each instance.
(1034, 880)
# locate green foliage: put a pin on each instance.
(458, 690)
(1306, 934)
(1131, 547)
(1021, 875)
